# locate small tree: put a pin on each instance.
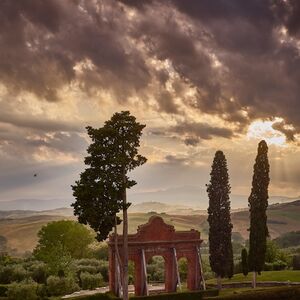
(220, 227)
(61, 241)
(244, 255)
(101, 191)
(258, 203)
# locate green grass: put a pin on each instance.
(286, 275)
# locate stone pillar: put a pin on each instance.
(170, 272)
(138, 275)
(193, 279)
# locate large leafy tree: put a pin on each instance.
(101, 191)
(60, 242)
(220, 227)
(258, 203)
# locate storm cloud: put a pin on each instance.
(241, 58)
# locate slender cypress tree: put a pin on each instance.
(220, 227)
(258, 203)
(244, 255)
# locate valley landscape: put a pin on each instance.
(20, 227)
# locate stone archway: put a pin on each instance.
(158, 238)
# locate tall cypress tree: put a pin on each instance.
(258, 203)
(220, 227)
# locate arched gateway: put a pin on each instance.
(158, 238)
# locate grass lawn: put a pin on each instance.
(286, 275)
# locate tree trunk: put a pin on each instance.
(219, 283)
(117, 263)
(125, 242)
(254, 279)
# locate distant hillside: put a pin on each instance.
(21, 227)
(192, 197)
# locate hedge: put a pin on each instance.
(282, 293)
(3, 290)
(180, 296)
(170, 296)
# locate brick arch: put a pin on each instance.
(158, 238)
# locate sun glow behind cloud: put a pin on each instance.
(264, 130)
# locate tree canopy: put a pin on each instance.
(61, 241)
(112, 153)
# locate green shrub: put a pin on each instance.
(57, 286)
(277, 265)
(180, 296)
(3, 290)
(38, 272)
(296, 262)
(22, 291)
(12, 273)
(5, 274)
(90, 281)
(103, 269)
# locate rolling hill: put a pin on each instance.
(21, 227)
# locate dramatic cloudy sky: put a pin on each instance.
(202, 75)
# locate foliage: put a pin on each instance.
(258, 203)
(22, 291)
(90, 281)
(60, 241)
(100, 296)
(244, 256)
(100, 191)
(296, 262)
(99, 251)
(289, 239)
(170, 296)
(12, 273)
(275, 258)
(156, 269)
(38, 271)
(3, 290)
(191, 295)
(183, 268)
(220, 227)
(57, 286)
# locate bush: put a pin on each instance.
(296, 262)
(172, 296)
(57, 286)
(22, 291)
(90, 281)
(11, 273)
(3, 290)
(277, 265)
(180, 296)
(38, 272)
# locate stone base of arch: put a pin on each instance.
(158, 238)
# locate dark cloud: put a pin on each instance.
(197, 131)
(288, 131)
(240, 57)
